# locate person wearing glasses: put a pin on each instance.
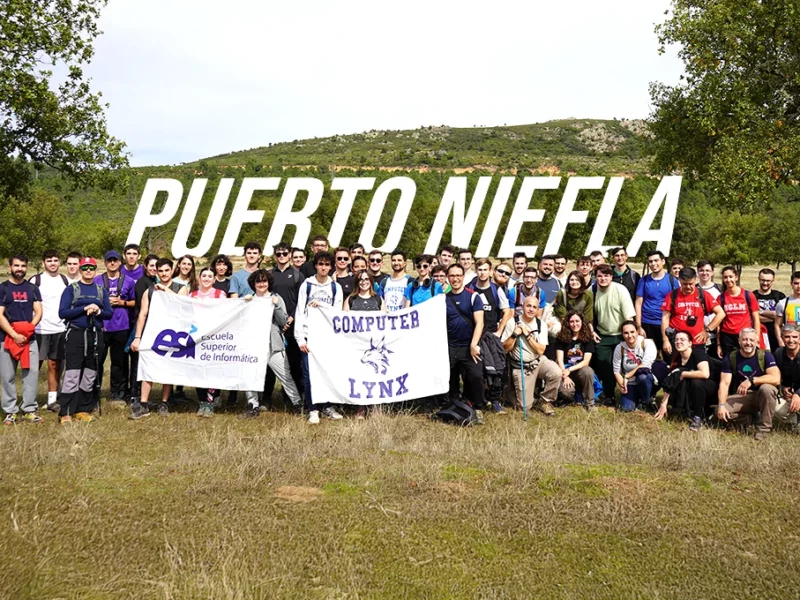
(502, 276)
(84, 306)
(623, 273)
(286, 282)
(523, 289)
(439, 274)
(424, 286)
(374, 264)
(342, 274)
(768, 299)
(787, 311)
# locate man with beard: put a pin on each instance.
(548, 284)
(392, 289)
(560, 268)
(319, 243)
(623, 273)
(768, 299)
(20, 312)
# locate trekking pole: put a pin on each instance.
(522, 379)
(96, 386)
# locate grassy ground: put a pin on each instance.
(579, 506)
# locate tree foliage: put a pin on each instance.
(734, 120)
(57, 124)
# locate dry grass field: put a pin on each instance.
(397, 506)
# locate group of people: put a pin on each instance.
(518, 334)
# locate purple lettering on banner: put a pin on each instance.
(357, 324)
(336, 327)
(370, 321)
(386, 388)
(414, 319)
(403, 321)
(392, 318)
(401, 381)
(353, 393)
(346, 325)
(381, 322)
(369, 385)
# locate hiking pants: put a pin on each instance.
(702, 395)
(547, 370)
(279, 365)
(584, 382)
(294, 360)
(307, 384)
(80, 373)
(640, 388)
(461, 362)
(763, 400)
(114, 344)
(602, 362)
(30, 383)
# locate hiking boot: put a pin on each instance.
(54, 407)
(163, 410)
(32, 417)
(332, 413)
(139, 411)
(546, 409)
(65, 420)
(498, 408)
(10, 419)
(205, 410)
(84, 417)
(760, 435)
(251, 412)
(696, 424)
(591, 408)
(313, 417)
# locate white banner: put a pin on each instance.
(216, 344)
(374, 358)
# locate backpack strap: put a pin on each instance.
(37, 280)
(470, 322)
(749, 312)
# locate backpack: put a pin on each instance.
(107, 283)
(76, 294)
(458, 413)
(517, 295)
(37, 280)
(493, 288)
(382, 284)
(672, 287)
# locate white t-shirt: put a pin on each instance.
(528, 354)
(394, 293)
(51, 289)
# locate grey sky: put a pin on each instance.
(188, 80)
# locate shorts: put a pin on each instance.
(51, 345)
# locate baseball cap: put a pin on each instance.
(88, 260)
(112, 254)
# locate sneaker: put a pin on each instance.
(479, 417)
(54, 407)
(546, 409)
(592, 408)
(313, 417)
(163, 410)
(84, 417)
(65, 420)
(760, 435)
(32, 417)
(251, 412)
(139, 411)
(498, 408)
(332, 413)
(205, 410)
(10, 419)
(696, 424)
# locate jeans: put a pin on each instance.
(640, 388)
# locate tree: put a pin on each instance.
(733, 122)
(61, 125)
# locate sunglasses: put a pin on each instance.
(343, 258)
(504, 273)
(376, 261)
(281, 253)
(88, 268)
(423, 266)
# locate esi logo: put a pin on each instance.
(175, 344)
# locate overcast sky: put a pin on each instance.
(187, 80)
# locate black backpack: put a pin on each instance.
(458, 413)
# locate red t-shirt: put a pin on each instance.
(685, 306)
(737, 314)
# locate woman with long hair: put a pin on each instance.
(223, 269)
(574, 349)
(184, 272)
(204, 290)
(364, 298)
(689, 382)
(574, 297)
(261, 281)
(741, 311)
(632, 359)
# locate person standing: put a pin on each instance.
(548, 284)
(496, 310)
(144, 283)
(223, 269)
(684, 309)
(374, 266)
(768, 299)
(117, 329)
(84, 307)
(392, 289)
(73, 264)
(466, 260)
(650, 293)
(50, 330)
(132, 269)
(319, 243)
(342, 274)
(424, 286)
(20, 313)
(560, 268)
(623, 273)
(239, 287)
(741, 311)
(520, 262)
(787, 311)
